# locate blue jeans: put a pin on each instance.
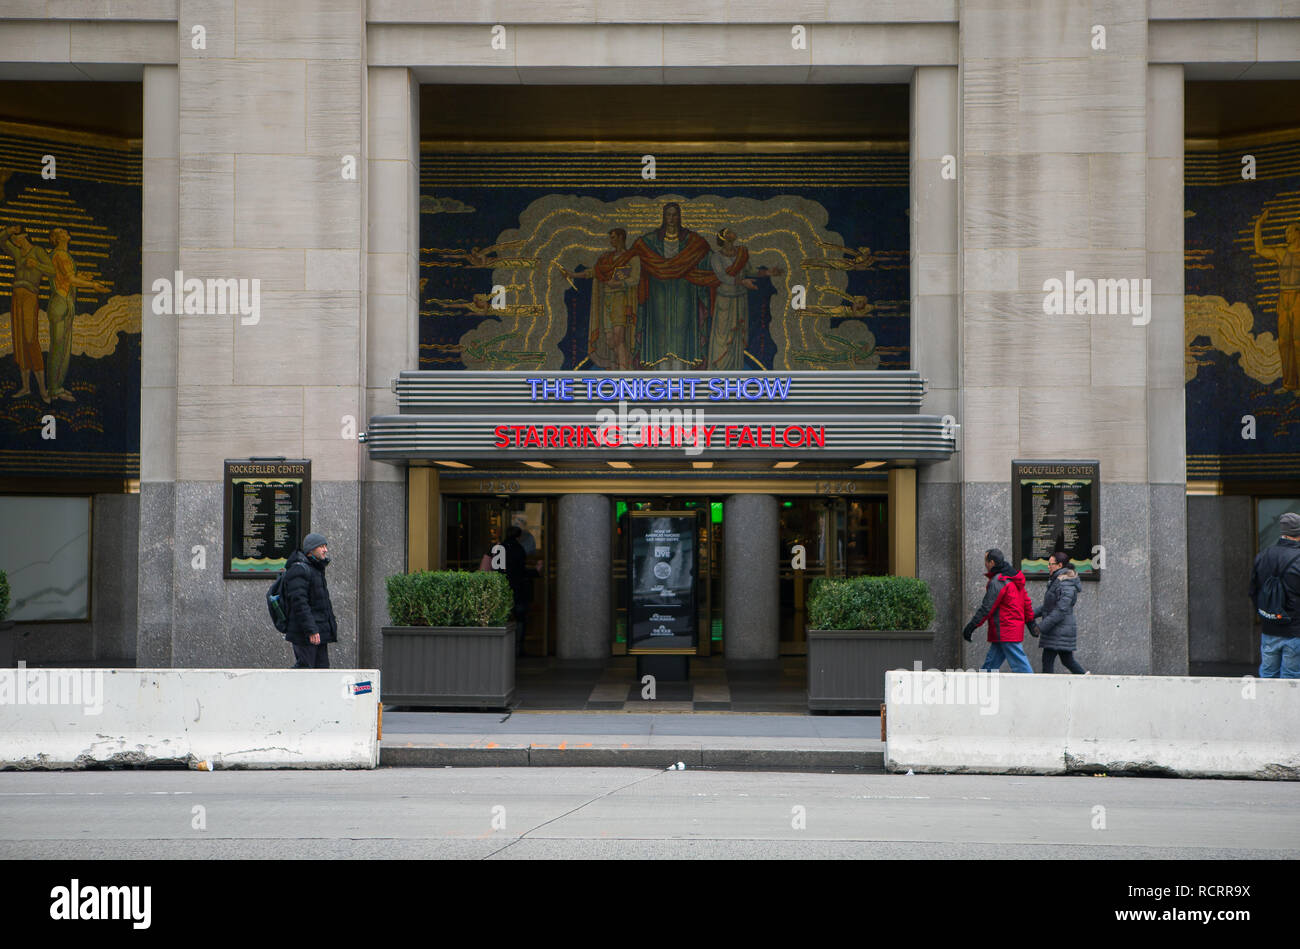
(1014, 653)
(1279, 652)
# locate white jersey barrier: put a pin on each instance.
(203, 718)
(1008, 723)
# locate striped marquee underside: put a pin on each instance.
(810, 393)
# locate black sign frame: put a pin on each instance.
(1025, 473)
(235, 470)
(639, 647)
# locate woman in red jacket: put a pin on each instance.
(1007, 608)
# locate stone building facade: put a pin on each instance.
(282, 142)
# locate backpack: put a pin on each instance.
(1270, 601)
(277, 605)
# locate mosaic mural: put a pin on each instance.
(1242, 310)
(719, 261)
(70, 207)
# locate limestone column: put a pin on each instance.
(159, 556)
(1166, 407)
(583, 614)
(1053, 176)
(392, 196)
(271, 179)
(751, 624)
(935, 340)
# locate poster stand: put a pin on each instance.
(663, 628)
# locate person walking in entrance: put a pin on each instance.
(520, 577)
(1275, 594)
(1007, 609)
(312, 626)
(1056, 624)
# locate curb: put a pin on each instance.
(717, 759)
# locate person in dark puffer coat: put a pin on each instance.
(312, 626)
(1057, 627)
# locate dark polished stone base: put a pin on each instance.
(664, 668)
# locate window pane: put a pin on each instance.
(1270, 512)
(45, 550)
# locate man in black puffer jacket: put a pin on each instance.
(1279, 645)
(312, 626)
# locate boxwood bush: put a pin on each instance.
(4, 595)
(884, 603)
(449, 598)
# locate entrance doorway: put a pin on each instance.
(841, 537)
(474, 524)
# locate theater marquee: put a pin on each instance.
(497, 416)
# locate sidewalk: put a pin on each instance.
(546, 685)
(596, 739)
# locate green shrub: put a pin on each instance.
(4, 595)
(870, 603)
(449, 598)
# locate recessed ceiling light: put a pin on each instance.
(619, 464)
(537, 464)
(785, 464)
(451, 464)
(701, 464)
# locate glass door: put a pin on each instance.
(810, 523)
(841, 537)
(864, 536)
(472, 525)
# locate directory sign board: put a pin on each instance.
(267, 513)
(1056, 506)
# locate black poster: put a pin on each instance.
(661, 614)
(267, 513)
(1056, 507)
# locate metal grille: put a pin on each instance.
(431, 393)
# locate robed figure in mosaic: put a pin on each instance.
(1287, 257)
(730, 323)
(31, 265)
(675, 295)
(61, 311)
(615, 280)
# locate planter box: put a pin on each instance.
(7, 636)
(449, 665)
(846, 667)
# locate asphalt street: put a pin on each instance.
(523, 813)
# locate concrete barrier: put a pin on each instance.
(206, 718)
(1006, 723)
